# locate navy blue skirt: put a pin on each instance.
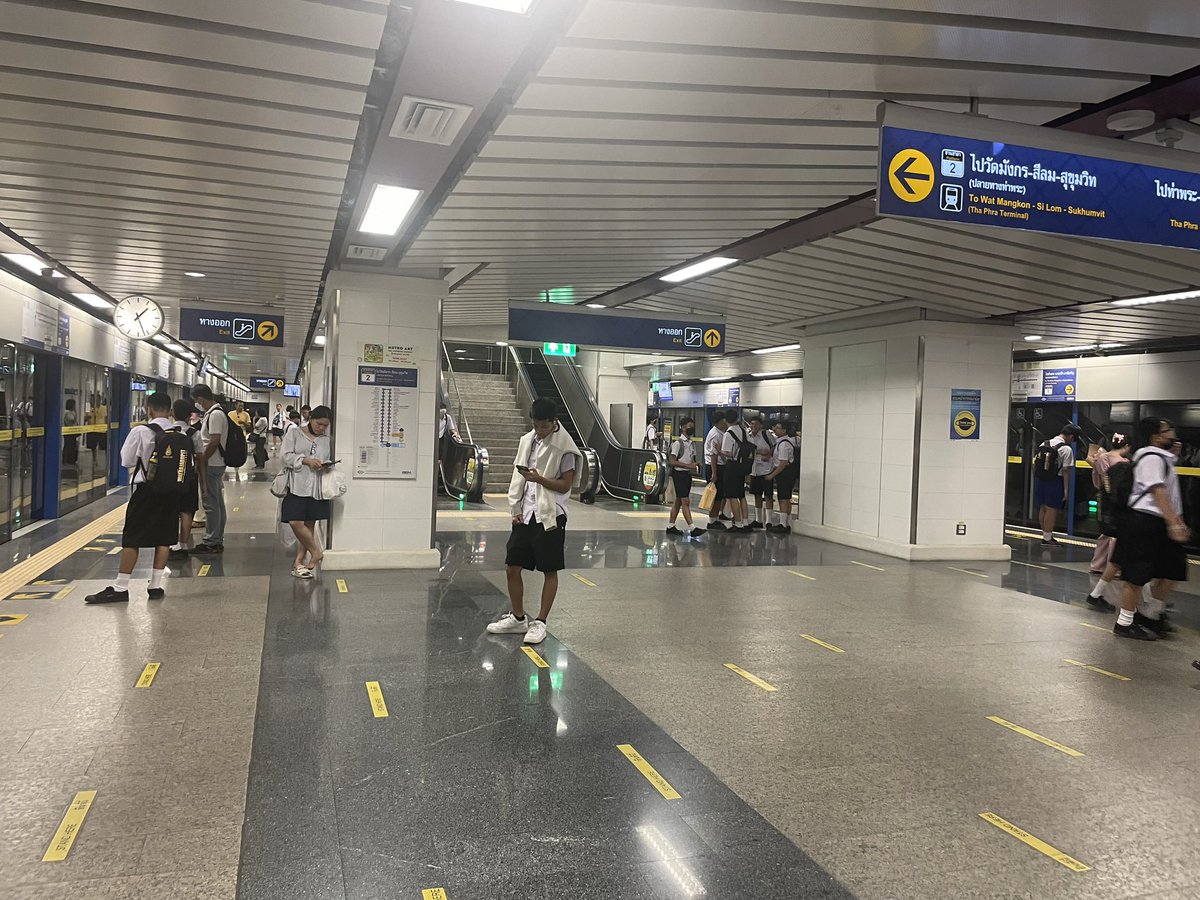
(303, 509)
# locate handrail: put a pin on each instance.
(519, 379)
(459, 419)
(463, 464)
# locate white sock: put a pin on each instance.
(1046, 535)
(1151, 607)
(156, 578)
(176, 546)
(122, 582)
(1098, 590)
(1125, 617)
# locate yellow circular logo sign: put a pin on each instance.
(1069, 389)
(965, 423)
(712, 338)
(267, 331)
(910, 173)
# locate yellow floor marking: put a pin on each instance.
(868, 566)
(1099, 671)
(821, 643)
(148, 674)
(801, 574)
(342, 588)
(1017, 562)
(641, 515)
(93, 549)
(203, 570)
(473, 514)
(49, 581)
(966, 571)
(434, 894)
(31, 595)
(753, 679)
(584, 580)
(378, 707)
(114, 551)
(13, 618)
(68, 829)
(61, 594)
(661, 784)
(1040, 846)
(1097, 627)
(237, 509)
(104, 541)
(19, 575)
(1061, 748)
(536, 657)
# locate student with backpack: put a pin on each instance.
(224, 445)
(189, 500)
(682, 457)
(738, 452)
(1053, 466)
(161, 465)
(785, 470)
(1112, 477)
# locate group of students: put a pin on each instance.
(741, 458)
(175, 462)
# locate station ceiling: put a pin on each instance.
(605, 141)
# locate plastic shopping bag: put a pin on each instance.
(709, 497)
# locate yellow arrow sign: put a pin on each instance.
(910, 174)
(268, 331)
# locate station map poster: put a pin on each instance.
(387, 432)
(45, 327)
(1026, 384)
(541, 322)
(965, 404)
(1058, 384)
(975, 171)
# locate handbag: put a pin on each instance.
(332, 484)
(708, 498)
(281, 482)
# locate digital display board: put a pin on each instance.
(291, 390)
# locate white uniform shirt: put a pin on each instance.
(730, 445)
(1066, 455)
(1154, 466)
(764, 442)
(684, 450)
(651, 436)
(197, 441)
(784, 452)
(712, 444)
(139, 445)
(215, 424)
(529, 511)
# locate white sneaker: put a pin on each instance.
(510, 624)
(536, 633)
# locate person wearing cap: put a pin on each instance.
(1053, 483)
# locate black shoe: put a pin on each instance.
(784, 529)
(210, 548)
(1161, 627)
(181, 553)
(156, 593)
(1196, 663)
(717, 526)
(1047, 543)
(1100, 604)
(756, 524)
(1137, 632)
(741, 529)
(725, 518)
(672, 530)
(698, 532)
(108, 595)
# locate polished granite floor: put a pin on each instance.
(255, 765)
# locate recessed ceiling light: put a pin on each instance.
(1157, 298)
(28, 262)
(1131, 120)
(596, 306)
(776, 349)
(195, 274)
(1079, 348)
(178, 348)
(1033, 337)
(388, 208)
(717, 378)
(501, 343)
(520, 7)
(695, 270)
(768, 374)
(460, 351)
(97, 301)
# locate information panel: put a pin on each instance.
(259, 383)
(541, 322)
(965, 405)
(386, 428)
(977, 171)
(1058, 384)
(221, 327)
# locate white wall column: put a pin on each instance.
(879, 470)
(383, 523)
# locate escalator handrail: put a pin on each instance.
(454, 457)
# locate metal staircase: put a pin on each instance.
(489, 403)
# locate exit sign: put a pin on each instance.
(551, 349)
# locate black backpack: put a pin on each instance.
(172, 466)
(1047, 465)
(234, 449)
(746, 450)
(793, 468)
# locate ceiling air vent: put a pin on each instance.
(370, 254)
(431, 121)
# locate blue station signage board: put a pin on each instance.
(977, 171)
(261, 383)
(221, 327)
(541, 322)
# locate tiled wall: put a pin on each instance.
(854, 436)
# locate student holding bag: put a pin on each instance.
(306, 456)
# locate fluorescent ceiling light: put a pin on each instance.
(1033, 337)
(388, 208)
(1080, 348)
(460, 351)
(695, 270)
(501, 343)
(95, 300)
(160, 338)
(776, 349)
(28, 262)
(717, 378)
(768, 374)
(195, 274)
(596, 306)
(520, 7)
(171, 345)
(319, 340)
(1157, 298)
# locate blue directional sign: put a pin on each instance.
(1058, 384)
(540, 322)
(221, 327)
(259, 382)
(975, 171)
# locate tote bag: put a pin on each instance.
(709, 497)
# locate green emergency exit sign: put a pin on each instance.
(552, 349)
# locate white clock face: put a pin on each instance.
(138, 317)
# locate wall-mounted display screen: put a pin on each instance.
(291, 390)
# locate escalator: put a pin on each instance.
(463, 465)
(626, 473)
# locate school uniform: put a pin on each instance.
(785, 481)
(151, 519)
(683, 451)
(764, 442)
(538, 539)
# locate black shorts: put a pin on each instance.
(189, 500)
(785, 486)
(1146, 552)
(278, 432)
(151, 520)
(734, 479)
(303, 509)
(532, 547)
(683, 483)
(760, 487)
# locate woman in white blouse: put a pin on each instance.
(306, 454)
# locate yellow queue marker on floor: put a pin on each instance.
(821, 643)
(651, 774)
(378, 706)
(148, 674)
(68, 829)
(753, 679)
(1017, 562)
(1097, 627)
(801, 575)
(342, 587)
(1036, 843)
(1098, 670)
(535, 656)
(1033, 735)
(63, 593)
(868, 566)
(966, 571)
(584, 580)
(203, 570)
(114, 551)
(434, 894)
(13, 618)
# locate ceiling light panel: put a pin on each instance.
(28, 262)
(520, 7)
(782, 349)
(95, 300)
(695, 270)
(388, 208)
(1157, 298)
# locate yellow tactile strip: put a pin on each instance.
(24, 572)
